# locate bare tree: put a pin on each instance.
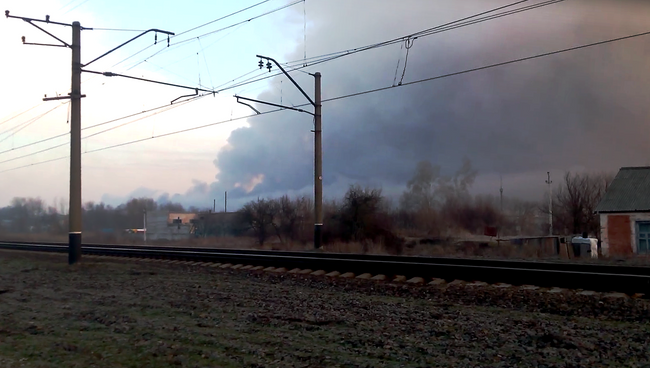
(261, 215)
(431, 199)
(577, 199)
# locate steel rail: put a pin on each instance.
(542, 265)
(603, 278)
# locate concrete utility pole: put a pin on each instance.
(74, 212)
(74, 236)
(550, 204)
(318, 148)
(318, 166)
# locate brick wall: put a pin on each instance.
(619, 235)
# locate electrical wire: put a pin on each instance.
(35, 153)
(192, 29)
(27, 123)
(518, 60)
(488, 66)
(15, 116)
(404, 84)
(168, 107)
(467, 21)
(145, 139)
(34, 143)
(179, 43)
(224, 17)
(295, 65)
(101, 124)
(417, 34)
(117, 29)
(429, 31)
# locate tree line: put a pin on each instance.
(433, 205)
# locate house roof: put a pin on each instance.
(628, 192)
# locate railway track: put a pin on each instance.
(595, 277)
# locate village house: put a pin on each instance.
(625, 213)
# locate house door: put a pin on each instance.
(643, 237)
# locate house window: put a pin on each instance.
(643, 237)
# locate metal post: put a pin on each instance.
(550, 204)
(318, 165)
(145, 226)
(74, 251)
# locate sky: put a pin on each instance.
(583, 110)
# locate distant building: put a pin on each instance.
(164, 225)
(625, 213)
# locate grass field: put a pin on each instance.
(113, 313)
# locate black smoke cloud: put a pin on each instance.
(582, 109)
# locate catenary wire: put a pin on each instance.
(28, 110)
(488, 66)
(428, 32)
(27, 123)
(151, 45)
(165, 107)
(354, 95)
(98, 125)
(251, 80)
(449, 26)
(388, 87)
(180, 43)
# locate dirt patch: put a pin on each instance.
(111, 313)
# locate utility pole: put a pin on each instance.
(318, 148)
(74, 212)
(501, 194)
(225, 202)
(214, 205)
(74, 236)
(318, 165)
(144, 223)
(550, 204)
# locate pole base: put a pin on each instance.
(74, 248)
(318, 236)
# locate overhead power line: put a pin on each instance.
(165, 107)
(27, 123)
(144, 139)
(353, 95)
(459, 23)
(298, 65)
(489, 66)
(224, 17)
(15, 116)
(203, 25)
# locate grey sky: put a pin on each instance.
(583, 110)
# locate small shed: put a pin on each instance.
(625, 213)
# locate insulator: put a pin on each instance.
(269, 66)
(155, 39)
(167, 40)
(261, 64)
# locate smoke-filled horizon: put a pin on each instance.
(584, 110)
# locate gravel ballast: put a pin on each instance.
(126, 313)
